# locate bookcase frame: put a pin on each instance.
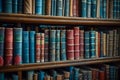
(40, 19)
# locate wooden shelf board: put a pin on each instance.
(48, 65)
(44, 19)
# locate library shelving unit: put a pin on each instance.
(38, 19)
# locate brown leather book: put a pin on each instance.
(48, 7)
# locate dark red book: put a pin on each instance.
(70, 44)
(101, 75)
(75, 8)
(42, 44)
(76, 43)
(8, 46)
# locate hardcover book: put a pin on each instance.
(59, 7)
(14, 6)
(7, 6)
(57, 55)
(28, 6)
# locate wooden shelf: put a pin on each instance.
(48, 65)
(40, 19)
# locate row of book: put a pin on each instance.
(103, 72)
(18, 46)
(74, 8)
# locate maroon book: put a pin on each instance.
(101, 75)
(70, 44)
(75, 8)
(76, 43)
(8, 46)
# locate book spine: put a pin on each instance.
(14, 77)
(38, 6)
(25, 53)
(63, 45)
(101, 75)
(32, 46)
(70, 44)
(104, 44)
(46, 45)
(74, 8)
(20, 6)
(76, 74)
(43, 7)
(101, 8)
(28, 6)
(98, 9)
(48, 7)
(37, 55)
(89, 8)
(35, 76)
(42, 47)
(84, 8)
(114, 44)
(52, 44)
(94, 8)
(87, 44)
(101, 44)
(81, 44)
(54, 7)
(30, 75)
(14, 6)
(59, 7)
(2, 76)
(1, 1)
(92, 44)
(8, 46)
(76, 43)
(96, 43)
(114, 9)
(104, 8)
(119, 10)
(17, 46)
(41, 75)
(66, 75)
(57, 55)
(80, 76)
(71, 10)
(33, 6)
(66, 7)
(2, 37)
(53, 74)
(8, 6)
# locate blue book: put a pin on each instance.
(114, 9)
(17, 45)
(59, 7)
(2, 77)
(25, 52)
(41, 75)
(84, 8)
(92, 44)
(89, 8)
(1, 6)
(104, 8)
(8, 6)
(38, 7)
(70, 69)
(30, 75)
(87, 44)
(32, 47)
(76, 74)
(66, 7)
(101, 8)
(57, 57)
(2, 36)
(94, 8)
(63, 45)
(14, 77)
(20, 6)
(53, 7)
(14, 6)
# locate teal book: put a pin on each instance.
(20, 6)
(66, 7)
(89, 8)
(1, 7)
(41, 75)
(54, 7)
(101, 8)
(76, 74)
(94, 8)
(57, 55)
(14, 6)
(8, 6)
(39, 7)
(2, 77)
(84, 8)
(104, 8)
(59, 7)
(14, 77)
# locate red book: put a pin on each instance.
(70, 44)
(37, 47)
(8, 46)
(75, 8)
(81, 44)
(101, 75)
(76, 43)
(42, 47)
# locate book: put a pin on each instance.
(14, 6)
(57, 55)
(52, 45)
(75, 73)
(42, 47)
(2, 37)
(66, 75)
(7, 6)
(53, 7)
(93, 8)
(32, 46)
(17, 43)
(102, 75)
(20, 6)
(1, 7)
(28, 6)
(38, 7)
(89, 2)
(25, 45)
(53, 73)
(8, 46)
(63, 56)
(41, 75)
(30, 75)
(59, 77)
(84, 8)
(70, 44)
(59, 8)
(2, 77)
(66, 7)
(35, 76)
(101, 8)
(104, 8)
(98, 9)
(37, 46)
(75, 8)
(48, 7)
(76, 43)
(14, 77)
